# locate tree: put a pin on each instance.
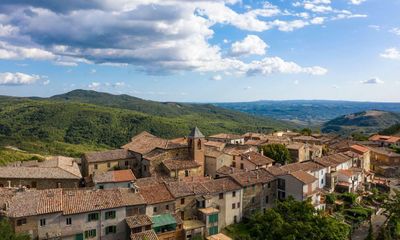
(7, 233)
(277, 152)
(292, 219)
(306, 131)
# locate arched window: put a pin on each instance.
(199, 145)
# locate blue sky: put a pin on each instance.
(203, 51)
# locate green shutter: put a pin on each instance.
(212, 230)
(213, 218)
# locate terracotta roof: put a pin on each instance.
(110, 155)
(78, 201)
(384, 151)
(221, 185)
(335, 159)
(359, 148)
(225, 170)
(173, 165)
(37, 173)
(180, 189)
(252, 177)
(347, 173)
(215, 144)
(257, 159)
(233, 149)
(35, 202)
(305, 138)
(219, 236)
(213, 153)
(155, 193)
(125, 175)
(295, 146)
(304, 177)
(276, 171)
(226, 136)
(145, 142)
(255, 142)
(304, 166)
(146, 235)
(383, 138)
(138, 221)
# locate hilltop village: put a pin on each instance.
(191, 187)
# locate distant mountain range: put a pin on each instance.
(308, 112)
(92, 120)
(366, 122)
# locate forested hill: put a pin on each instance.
(83, 120)
(366, 122)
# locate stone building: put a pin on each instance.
(101, 162)
(114, 179)
(259, 190)
(55, 172)
(72, 214)
(227, 138)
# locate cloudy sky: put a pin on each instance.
(220, 50)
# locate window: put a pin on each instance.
(234, 164)
(199, 145)
(269, 185)
(253, 200)
(95, 166)
(90, 233)
(110, 215)
(93, 217)
(186, 173)
(167, 207)
(182, 201)
(108, 165)
(126, 163)
(233, 206)
(213, 218)
(68, 221)
(221, 196)
(101, 187)
(241, 166)
(234, 194)
(322, 181)
(213, 230)
(42, 222)
(235, 219)
(155, 209)
(111, 229)
(238, 204)
(21, 221)
(266, 199)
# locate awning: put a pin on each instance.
(163, 220)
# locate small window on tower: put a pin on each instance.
(199, 145)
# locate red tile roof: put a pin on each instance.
(115, 176)
(359, 148)
(304, 177)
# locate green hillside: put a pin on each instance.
(81, 121)
(366, 122)
(392, 130)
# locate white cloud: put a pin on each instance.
(252, 44)
(247, 88)
(94, 85)
(11, 52)
(317, 20)
(155, 36)
(119, 84)
(391, 53)
(356, 2)
(376, 27)
(93, 71)
(216, 78)
(395, 31)
(372, 81)
(8, 78)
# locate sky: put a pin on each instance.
(201, 50)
